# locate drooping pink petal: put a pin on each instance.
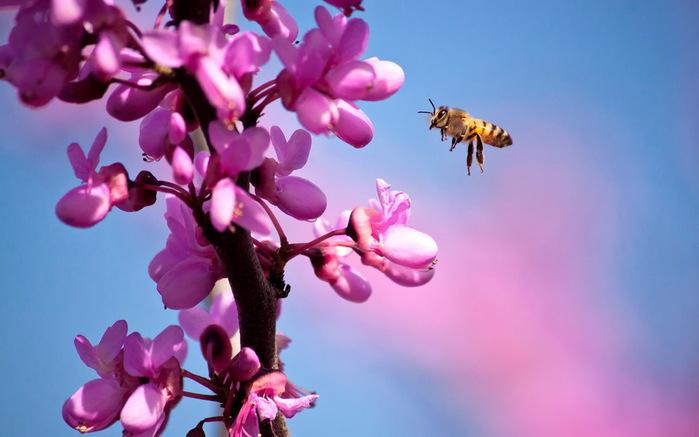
(161, 263)
(94, 406)
(169, 343)
(389, 77)
(408, 247)
(177, 129)
(223, 204)
(316, 112)
(162, 46)
(83, 206)
(300, 198)
(351, 285)
(201, 162)
(351, 80)
(352, 125)
(182, 166)
(143, 409)
(187, 283)
(408, 277)
(154, 133)
(128, 104)
(290, 406)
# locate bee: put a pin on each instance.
(460, 126)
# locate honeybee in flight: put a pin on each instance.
(460, 126)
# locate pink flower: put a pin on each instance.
(236, 153)
(97, 404)
(202, 50)
(267, 396)
(127, 103)
(186, 270)
(295, 196)
(323, 76)
(157, 361)
(89, 203)
(329, 266)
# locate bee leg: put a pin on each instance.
(469, 157)
(479, 152)
(443, 132)
(454, 142)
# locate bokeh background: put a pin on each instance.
(566, 300)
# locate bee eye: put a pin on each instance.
(442, 113)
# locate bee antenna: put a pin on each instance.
(425, 112)
(435, 109)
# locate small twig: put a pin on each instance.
(212, 398)
(298, 248)
(202, 381)
(277, 226)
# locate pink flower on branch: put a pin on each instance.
(140, 381)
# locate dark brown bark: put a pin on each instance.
(255, 297)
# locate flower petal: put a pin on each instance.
(352, 125)
(162, 47)
(169, 343)
(143, 409)
(194, 321)
(300, 198)
(112, 341)
(290, 406)
(249, 214)
(84, 206)
(224, 312)
(408, 247)
(223, 200)
(316, 111)
(94, 406)
(351, 285)
(407, 276)
(187, 283)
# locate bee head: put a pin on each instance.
(438, 115)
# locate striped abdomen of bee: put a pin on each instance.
(490, 133)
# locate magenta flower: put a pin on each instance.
(127, 103)
(236, 153)
(329, 266)
(158, 362)
(89, 203)
(97, 404)
(186, 270)
(322, 77)
(202, 50)
(266, 396)
(387, 243)
(293, 195)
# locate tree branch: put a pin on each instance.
(255, 297)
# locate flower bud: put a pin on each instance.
(216, 347)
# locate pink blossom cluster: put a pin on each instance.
(191, 76)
